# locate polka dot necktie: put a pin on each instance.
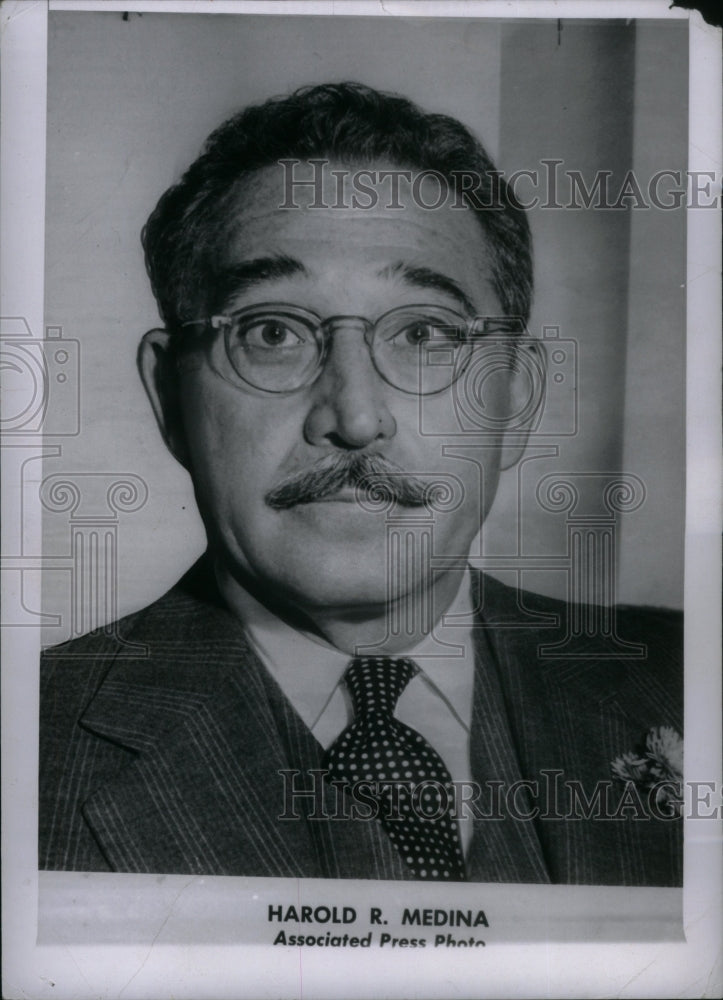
(397, 768)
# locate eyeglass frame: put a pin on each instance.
(322, 328)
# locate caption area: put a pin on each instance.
(324, 926)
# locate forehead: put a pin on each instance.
(343, 234)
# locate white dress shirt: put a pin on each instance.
(437, 702)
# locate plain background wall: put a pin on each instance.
(605, 96)
(129, 104)
(567, 95)
(654, 441)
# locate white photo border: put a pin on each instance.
(144, 963)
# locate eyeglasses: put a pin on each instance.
(279, 348)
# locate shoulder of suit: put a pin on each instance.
(101, 642)
(171, 611)
(500, 593)
(659, 630)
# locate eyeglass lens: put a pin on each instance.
(417, 350)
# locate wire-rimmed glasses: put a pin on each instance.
(419, 349)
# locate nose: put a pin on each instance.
(349, 408)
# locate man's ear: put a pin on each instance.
(158, 374)
(527, 398)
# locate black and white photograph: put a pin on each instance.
(361, 454)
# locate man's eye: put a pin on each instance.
(418, 333)
(423, 332)
(270, 333)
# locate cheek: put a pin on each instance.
(475, 484)
(234, 449)
(467, 467)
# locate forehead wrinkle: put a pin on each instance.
(427, 277)
(236, 278)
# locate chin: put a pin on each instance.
(333, 576)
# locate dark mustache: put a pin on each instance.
(375, 474)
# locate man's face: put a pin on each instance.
(240, 443)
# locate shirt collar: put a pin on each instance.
(308, 669)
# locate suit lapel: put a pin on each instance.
(216, 753)
(205, 750)
(568, 720)
(504, 848)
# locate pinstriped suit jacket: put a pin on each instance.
(163, 739)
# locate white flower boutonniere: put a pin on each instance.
(657, 767)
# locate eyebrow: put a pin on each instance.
(237, 278)
(426, 277)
